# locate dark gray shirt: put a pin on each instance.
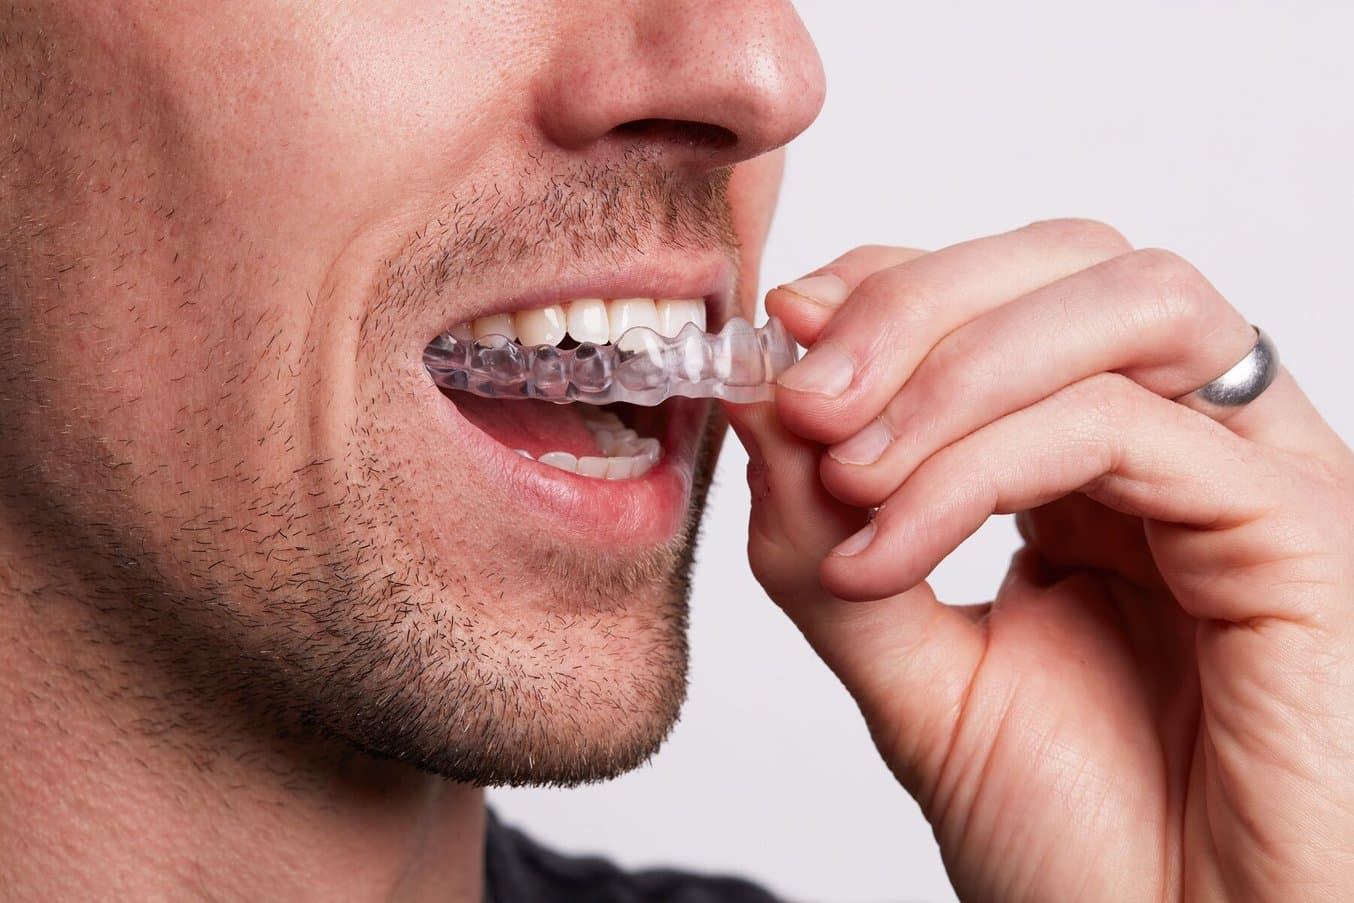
(518, 870)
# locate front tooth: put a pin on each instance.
(697, 313)
(673, 315)
(627, 313)
(621, 468)
(562, 460)
(593, 466)
(498, 324)
(588, 321)
(543, 326)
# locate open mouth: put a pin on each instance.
(618, 442)
(592, 381)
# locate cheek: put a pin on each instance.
(151, 344)
(312, 125)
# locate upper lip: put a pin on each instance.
(708, 276)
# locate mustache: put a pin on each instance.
(597, 212)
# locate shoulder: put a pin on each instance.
(519, 869)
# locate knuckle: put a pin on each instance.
(910, 302)
(955, 375)
(762, 561)
(1167, 297)
(966, 366)
(1173, 287)
(858, 263)
(853, 259)
(776, 563)
(873, 250)
(1088, 233)
(1111, 398)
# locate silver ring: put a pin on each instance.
(1240, 385)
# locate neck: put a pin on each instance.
(108, 789)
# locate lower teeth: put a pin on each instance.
(625, 455)
(739, 364)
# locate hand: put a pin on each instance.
(1159, 703)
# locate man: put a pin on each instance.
(266, 589)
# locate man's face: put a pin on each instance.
(227, 233)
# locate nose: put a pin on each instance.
(705, 82)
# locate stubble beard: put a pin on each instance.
(356, 654)
(587, 687)
(364, 643)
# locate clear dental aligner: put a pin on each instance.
(740, 363)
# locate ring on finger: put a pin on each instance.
(1240, 385)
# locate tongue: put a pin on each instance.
(533, 425)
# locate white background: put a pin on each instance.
(1223, 131)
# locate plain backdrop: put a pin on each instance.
(1224, 131)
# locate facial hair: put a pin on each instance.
(341, 633)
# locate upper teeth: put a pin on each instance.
(588, 320)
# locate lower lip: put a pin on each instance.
(640, 511)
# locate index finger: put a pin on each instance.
(894, 318)
(806, 305)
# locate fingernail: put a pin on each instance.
(856, 543)
(825, 290)
(865, 447)
(824, 370)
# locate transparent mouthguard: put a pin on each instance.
(738, 364)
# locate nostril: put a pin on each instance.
(680, 132)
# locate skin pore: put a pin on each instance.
(253, 603)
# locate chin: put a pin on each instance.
(486, 643)
(574, 673)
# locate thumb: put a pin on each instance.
(794, 521)
(908, 660)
